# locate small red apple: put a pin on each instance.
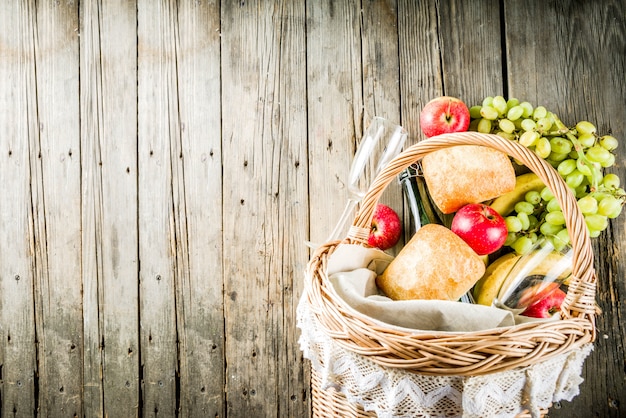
(481, 227)
(386, 228)
(542, 300)
(444, 115)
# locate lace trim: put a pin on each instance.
(394, 393)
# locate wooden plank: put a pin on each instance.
(380, 62)
(91, 113)
(198, 211)
(471, 49)
(17, 123)
(420, 64)
(440, 53)
(159, 132)
(576, 68)
(525, 57)
(55, 170)
(109, 187)
(335, 107)
(265, 204)
(381, 81)
(287, 207)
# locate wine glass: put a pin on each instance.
(536, 275)
(370, 153)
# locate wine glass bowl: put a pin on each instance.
(535, 275)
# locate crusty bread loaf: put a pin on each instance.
(434, 264)
(466, 174)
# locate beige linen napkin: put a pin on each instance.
(352, 270)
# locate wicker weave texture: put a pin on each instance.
(330, 403)
(471, 353)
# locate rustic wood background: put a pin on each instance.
(163, 162)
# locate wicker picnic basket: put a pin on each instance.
(467, 355)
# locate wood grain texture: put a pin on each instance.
(109, 208)
(198, 202)
(264, 204)
(160, 185)
(420, 66)
(334, 107)
(91, 113)
(18, 124)
(381, 81)
(56, 180)
(163, 162)
(441, 48)
(380, 60)
(471, 49)
(580, 76)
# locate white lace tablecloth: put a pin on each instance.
(395, 393)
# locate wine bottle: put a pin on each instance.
(408, 180)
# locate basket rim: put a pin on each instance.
(465, 353)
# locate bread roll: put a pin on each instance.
(466, 174)
(434, 264)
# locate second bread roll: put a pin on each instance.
(434, 264)
(466, 174)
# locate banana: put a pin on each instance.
(524, 183)
(497, 277)
(487, 288)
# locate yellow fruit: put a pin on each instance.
(523, 184)
(497, 277)
(487, 287)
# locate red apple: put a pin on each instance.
(386, 228)
(542, 300)
(481, 227)
(444, 115)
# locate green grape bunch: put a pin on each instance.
(579, 154)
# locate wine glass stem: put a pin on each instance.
(345, 216)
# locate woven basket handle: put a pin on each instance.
(581, 292)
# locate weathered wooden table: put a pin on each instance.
(162, 164)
